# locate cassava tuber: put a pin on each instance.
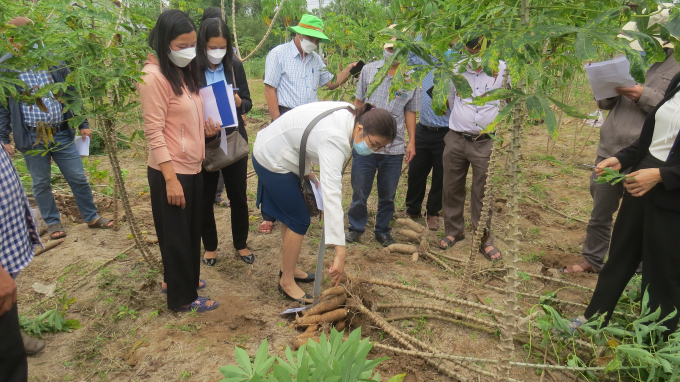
(332, 292)
(312, 328)
(307, 335)
(325, 306)
(331, 316)
(403, 248)
(303, 341)
(412, 235)
(411, 224)
(340, 326)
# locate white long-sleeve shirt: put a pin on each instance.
(277, 148)
(471, 119)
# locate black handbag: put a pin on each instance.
(305, 184)
(237, 148)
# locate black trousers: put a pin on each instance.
(643, 232)
(429, 151)
(179, 235)
(235, 183)
(282, 110)
(13, 363)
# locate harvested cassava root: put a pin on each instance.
(406, 249)
(326, 306)
(411, 224)
(332, 292)
(329, 312)
(329, 317)
(413, 235)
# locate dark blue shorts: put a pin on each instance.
(281, 198)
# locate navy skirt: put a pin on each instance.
(280, 197)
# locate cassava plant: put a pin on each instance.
(331, 359)
(104, 45)
(537, 41)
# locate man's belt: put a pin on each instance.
(56, 128)
(433, 128)
(472, 137)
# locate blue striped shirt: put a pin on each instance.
(296, 80)
(427, 115)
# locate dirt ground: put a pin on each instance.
(129, 335)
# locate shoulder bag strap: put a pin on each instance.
(305, 135)
(233, 85)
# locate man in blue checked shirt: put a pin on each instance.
(430, 132)
(294, 72)
(387, 161)
(21, 120)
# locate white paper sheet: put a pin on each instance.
(83, 145)
(606, 75)
(317, 195)
(210, 109)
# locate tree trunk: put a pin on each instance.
(119, 185)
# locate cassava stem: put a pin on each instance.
(403, 338)
(432, 294)
(467, 317)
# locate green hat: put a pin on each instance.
(312, 26)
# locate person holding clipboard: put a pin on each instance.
(218, 63)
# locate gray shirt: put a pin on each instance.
(404, 101)
(624, 122)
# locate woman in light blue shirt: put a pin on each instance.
(218, 63)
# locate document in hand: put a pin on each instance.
(316, 186)
(218, 104)
(83, 145)
(606, 75)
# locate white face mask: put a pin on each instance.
(182, 57)
(215, 56)
(387, 54)
(307, 46)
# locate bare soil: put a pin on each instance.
(154, 344)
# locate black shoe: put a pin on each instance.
(306, 299)
(385, 240)
(309, 279)
(210, 262)
(247, 259)
(353, 236)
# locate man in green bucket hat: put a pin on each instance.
(293, 73)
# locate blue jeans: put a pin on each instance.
(363, 172)
(67, 158)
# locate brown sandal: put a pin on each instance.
(584, 265)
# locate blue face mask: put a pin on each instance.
(362, 148)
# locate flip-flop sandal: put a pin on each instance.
(56, 227)
(223, 203)
(200, 306)
(262, 230)
(449, 243)
(491, 253)
(584, 265)
(101, 223)
(163, 290)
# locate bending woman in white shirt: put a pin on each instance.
(276, 160)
